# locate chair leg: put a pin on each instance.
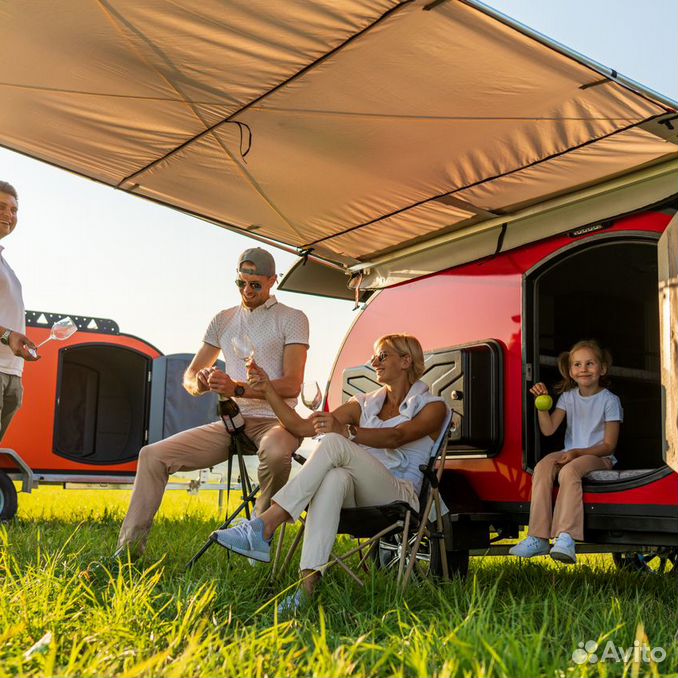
(376, 537)
(337, 560)
(369, 544)
(292, 550)
(244, 506)
(361, 562)
(347, 569)
(415, 547)
(441, 540)
(248, 492)
(278, 549)
(406, 536)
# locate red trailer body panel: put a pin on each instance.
(480, 301)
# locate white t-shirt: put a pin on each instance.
(271, 327)
(586, 417)
(12, 316)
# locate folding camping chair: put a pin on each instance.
(240, 446)
(375, 523)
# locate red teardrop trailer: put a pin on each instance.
(90, 404)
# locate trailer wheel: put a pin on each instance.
(386, 554)
(641, 562)
(429, 563)
(8, 498)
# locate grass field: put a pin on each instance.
(154, 619)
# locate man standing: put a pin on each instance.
(279, 335)
(15, 346)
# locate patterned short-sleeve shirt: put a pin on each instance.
(271, 327)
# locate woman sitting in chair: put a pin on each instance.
(369, 455)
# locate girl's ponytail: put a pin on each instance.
(567, 382)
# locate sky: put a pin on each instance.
(86, 249)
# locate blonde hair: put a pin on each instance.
(405, 344)
(602, 354)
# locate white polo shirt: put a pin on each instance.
(271, 327)
(12, 315)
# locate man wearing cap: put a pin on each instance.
(279, 335)
(14, 344)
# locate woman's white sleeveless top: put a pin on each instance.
(403, 462)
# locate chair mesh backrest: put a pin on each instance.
(437, 448)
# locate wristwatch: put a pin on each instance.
(239, 391)
(5, 337)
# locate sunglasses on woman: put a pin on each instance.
(382, 355)
(242, 284)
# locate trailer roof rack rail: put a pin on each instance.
(84, 323)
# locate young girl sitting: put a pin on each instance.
(593, 418)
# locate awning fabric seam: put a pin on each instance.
(481, 181)
(114, 15)
(291, 78)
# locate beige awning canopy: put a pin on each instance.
(352, 128)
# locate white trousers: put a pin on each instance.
(338, 474)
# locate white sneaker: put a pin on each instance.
(564, 549)
(530, 547)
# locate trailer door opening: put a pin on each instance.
(603, 289)
(102, 403)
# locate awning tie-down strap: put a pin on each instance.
(500, 239)
(304, 255)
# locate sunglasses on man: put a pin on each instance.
(242, 284)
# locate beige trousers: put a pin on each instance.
(338, 474)
(568, 515)
(11, 395)
(199, 448)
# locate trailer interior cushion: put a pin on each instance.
(614, 476)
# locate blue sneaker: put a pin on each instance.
(530, 547)
(564, 549)
(245, 539)
(292, 603)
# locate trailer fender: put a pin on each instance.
(24, 468)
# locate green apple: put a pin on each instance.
(543, 403)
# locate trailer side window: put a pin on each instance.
(470, 379)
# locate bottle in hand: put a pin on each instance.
(230, 415)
